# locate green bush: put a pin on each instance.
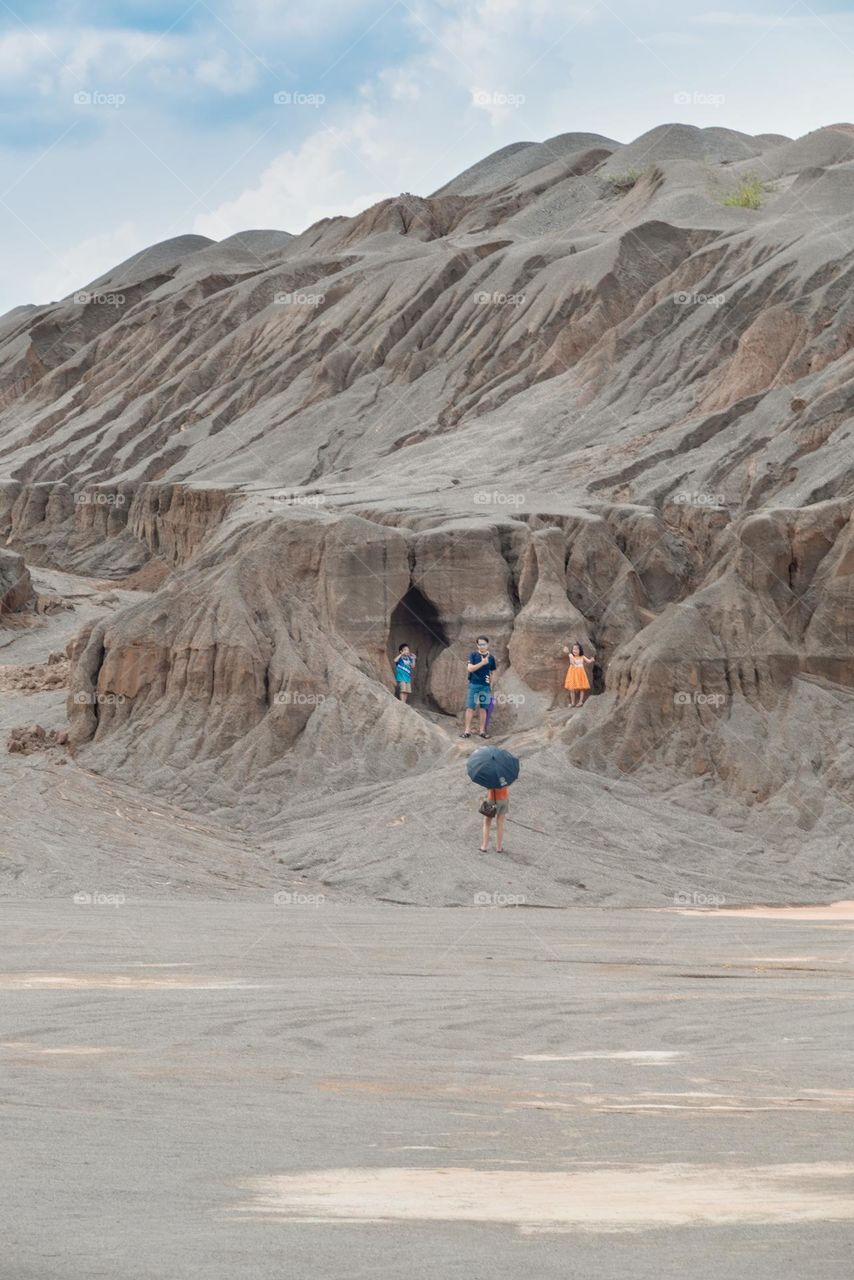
(749, 194)
(622, 182)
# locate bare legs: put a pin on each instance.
(470, 715)
(499, 834)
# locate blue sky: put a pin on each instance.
(126, 122)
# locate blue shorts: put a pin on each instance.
(478, 695)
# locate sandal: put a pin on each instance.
(465, 735)
(482, 850)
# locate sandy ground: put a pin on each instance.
(245, 1090)
(832, 911)
(212, 1068)
(65, 828)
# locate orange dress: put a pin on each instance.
(576, 676)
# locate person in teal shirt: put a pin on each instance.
(403, 669)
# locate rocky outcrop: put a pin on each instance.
(279, 641)
(111, 531)
(285, 629)
(547, 620)
(273, 649)
(559, 400)
(26, 739)
(16, 588)
(713, 686)
(650, 338)
(36, 677)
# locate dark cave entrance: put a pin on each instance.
(414, 621)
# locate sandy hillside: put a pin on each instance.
(586, 390)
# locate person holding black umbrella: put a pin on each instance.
(498, 801)
(494, 769)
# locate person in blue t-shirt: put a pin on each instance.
(403, 668)
(480, 667)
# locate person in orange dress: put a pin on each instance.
(577, 680)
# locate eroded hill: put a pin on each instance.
(585, 391)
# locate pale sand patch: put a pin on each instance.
(111, 981)
(629, 1198)
(699, 1103)
(77, 1049)
(832, 911)
(624, 1055)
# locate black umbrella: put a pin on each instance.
(492, 767)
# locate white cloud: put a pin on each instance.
(498, 46)
(726, 18)
(58, 60)
(330, 174)
(671, 39)
(72, 268)
(303, 21)
(401, 85)
(417, 117)
(70, 56)
(470, 73)
(227, 74)
(21, 54)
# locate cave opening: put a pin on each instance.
(415, 621)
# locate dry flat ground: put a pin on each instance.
(237, 1091)
(266, 1011)
(204, 1079)
(63, 828)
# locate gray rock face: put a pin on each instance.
(584, 391)
(611, 323)
(16, 589)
